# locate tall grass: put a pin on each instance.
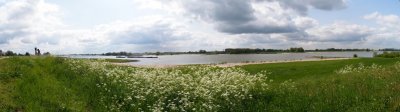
(58, 84)
(47, 84)
(354, 88)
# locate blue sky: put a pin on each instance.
(87, 13)
(356, 9)
(97, 26)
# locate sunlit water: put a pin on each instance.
(231, 58)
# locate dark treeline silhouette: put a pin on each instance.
(258, 51)
(296, 49)
(389, 49)
(246, 51)
(335, 49)
(122, 53)
(11, 53)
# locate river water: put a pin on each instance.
(186, 59)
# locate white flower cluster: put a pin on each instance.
(397, 66)
(357, 69)
(192, 88)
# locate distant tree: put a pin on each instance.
(202, 51)
(10, 53)
(1, 53)
(300, 49)
(295, 49)
(47, 54)
(27, 54)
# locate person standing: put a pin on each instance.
(36, 51)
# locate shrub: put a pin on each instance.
(389, 55)
(355, 56)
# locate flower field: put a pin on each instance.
(205, 88)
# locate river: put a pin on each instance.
(186, 59)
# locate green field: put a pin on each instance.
(310, 71)
(58, 84)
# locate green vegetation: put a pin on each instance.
(260, 51)
(338, 49)
(295, 49)
(389, 55)
(45, 84)
(313, 70)
(60, 84)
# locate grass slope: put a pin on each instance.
(44, 84)
(52, 84)
(311, 70)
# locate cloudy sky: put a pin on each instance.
(97, 26)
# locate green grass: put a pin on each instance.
(389, 55)
(44, 84)
(316, 86)
(311, 70)
(55, 84)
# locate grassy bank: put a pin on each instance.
(365, 85)
(57, 84)
(304, 71)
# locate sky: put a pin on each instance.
(99, 26)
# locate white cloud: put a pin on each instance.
(29, 20)
(387, 22)
(251, 16)
(192, 25)
(339, 32)
(387, 33)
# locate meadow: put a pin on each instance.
(61, 84)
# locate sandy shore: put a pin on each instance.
(147, 66)
(231, 64)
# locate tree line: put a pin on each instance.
(12, 53)
(245, 51)
(259, 51)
